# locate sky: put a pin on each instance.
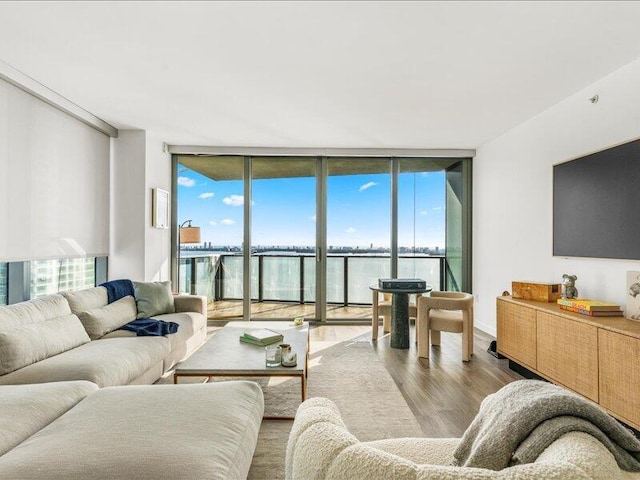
(284, 211)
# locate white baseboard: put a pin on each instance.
(490, 329)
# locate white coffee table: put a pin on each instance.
(224, 355)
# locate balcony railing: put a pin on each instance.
(291, 277)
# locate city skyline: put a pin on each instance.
(283, 210)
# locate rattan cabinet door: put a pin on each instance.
(620, 375)
(568, 353)
(517, 332)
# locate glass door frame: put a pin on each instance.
(321, 238)
(322, 158)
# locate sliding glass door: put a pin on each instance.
(211, 197)
(358, 200)
(283, 238)
(421, 220)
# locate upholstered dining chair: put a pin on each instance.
(382, 308)
(445, 312)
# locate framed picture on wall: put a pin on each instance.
(160, 203)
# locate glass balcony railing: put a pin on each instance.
(291, 277)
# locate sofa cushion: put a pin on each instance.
(87, 299)
(159, 432)
(26, 409)
(30, 343)
(189, 323)
(100, 321)
(105, 362)
(33, 311)
(153, 298)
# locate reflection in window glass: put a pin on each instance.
(421, 209)
(421, 219)
(52, 276)
(3, 283)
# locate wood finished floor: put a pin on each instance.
(443, 392)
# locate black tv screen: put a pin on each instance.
(596, 205)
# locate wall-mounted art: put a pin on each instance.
(160, 208)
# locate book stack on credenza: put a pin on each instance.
(592, 308)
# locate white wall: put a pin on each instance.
(158, 241)
(512, 198)
(126, 258)
(139, 250)
(54, 181)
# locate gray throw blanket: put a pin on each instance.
(517, 423)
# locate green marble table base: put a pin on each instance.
(400, 320)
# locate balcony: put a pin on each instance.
(284, 285)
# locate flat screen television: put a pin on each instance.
(596, 204)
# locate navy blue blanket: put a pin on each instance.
(149, 327)
(117, 289)
(143, 327)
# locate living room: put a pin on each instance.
(98, 99)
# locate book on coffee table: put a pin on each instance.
(261, 337)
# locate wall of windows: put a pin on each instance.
(51, 276)
(304, 230)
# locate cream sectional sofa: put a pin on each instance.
(76, 431)
(45, 341)
(321, 448)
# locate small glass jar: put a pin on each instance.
(289, 357)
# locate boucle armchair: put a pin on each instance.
(445, 312)
(321, 448)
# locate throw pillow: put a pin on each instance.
(86, 299)
(100, 321)
(153, 298)
(27, 344)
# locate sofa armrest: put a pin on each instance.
(191, 303)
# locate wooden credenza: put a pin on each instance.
(597, 357)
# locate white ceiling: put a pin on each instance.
(319, 74)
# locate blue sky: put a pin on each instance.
(283, 210)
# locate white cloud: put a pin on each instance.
(436, 209)
(186, 182)
(366, 186)
(423, 212)
(350, 230)
(212, 223)
(234, 200)
(206, 195)
(227, 221)
(312, 217)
